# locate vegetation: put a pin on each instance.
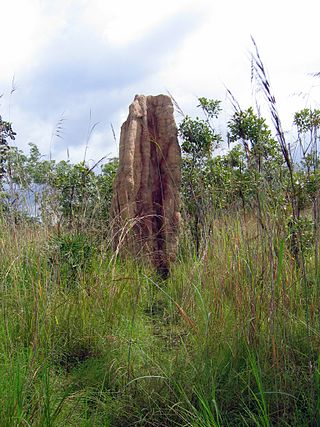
(231, 338)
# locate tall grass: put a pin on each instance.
(231, 338)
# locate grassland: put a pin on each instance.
(230, 339)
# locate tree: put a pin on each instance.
(62, 192)
(6, 133)
(307, 186)
(198, 140)
(263, 159)
(255, 135)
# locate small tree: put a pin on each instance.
(307, 122)
(6, 133)
(256, 137)
(262, 157)
(199, 139)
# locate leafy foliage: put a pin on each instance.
(198, 140)
(6, 133)
(256, 137)
(253, 166)
(68, 194)
(70, 256)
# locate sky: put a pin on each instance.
(70, 68)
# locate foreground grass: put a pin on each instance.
(231, 339)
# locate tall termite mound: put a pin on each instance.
(146, 199)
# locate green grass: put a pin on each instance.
(229, 339)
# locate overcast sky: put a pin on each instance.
(80, 62)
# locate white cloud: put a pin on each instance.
(122, 21)
(26, 27)
(70, 56)
(76, 71)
